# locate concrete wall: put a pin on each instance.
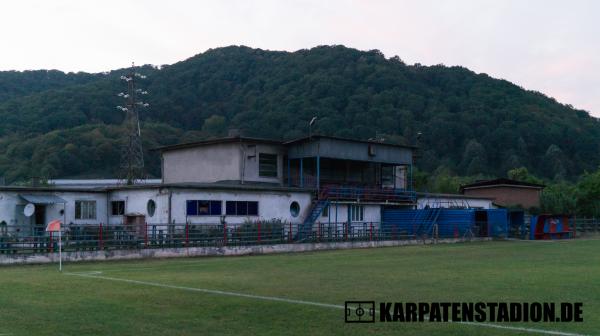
(271, 205)
(136, 202)
(69, 257)
(351, 150)
(250, 164)
(444, 202)
(11, 207)
(218, 162)
(371, 213)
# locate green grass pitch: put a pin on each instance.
(162, 298)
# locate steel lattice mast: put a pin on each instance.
(132, 154)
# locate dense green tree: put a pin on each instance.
(559, 198)
(470, 124)
(474, 158)
(214, 125)
(588, 194)
(523, 175)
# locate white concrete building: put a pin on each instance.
(235, 180)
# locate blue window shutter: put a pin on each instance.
(230, 208)
(215, 208)
(192, 208)
(253, 208)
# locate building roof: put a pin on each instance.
(222, 185)
(317, 137)
(504, 182)
(235, 139)
(453, 196)
(50, 189)
(240, 139)
(91, 183)
(43, 199)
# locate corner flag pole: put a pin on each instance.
(60, 250)
(54, 226)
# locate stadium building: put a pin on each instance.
(317, 179)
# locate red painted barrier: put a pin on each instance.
(346, 231)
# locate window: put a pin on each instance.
(151, 207)
(85, 209)
(294, 209)
(117, 208)
(203, 208)
(387, 175)
(325, 212)
(267, 165)
(241, 208)
(357, 213)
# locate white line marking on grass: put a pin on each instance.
(86, 273)
(209, 291)
(93, 275)
(530, 330)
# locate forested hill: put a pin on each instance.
(66, 125)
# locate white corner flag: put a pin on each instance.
(54, 226)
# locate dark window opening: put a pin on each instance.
(203, 208)
(85, 209)
(267, 165)
(241, 208)
(117, 208)
(325, 212)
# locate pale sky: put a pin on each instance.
(548, 46)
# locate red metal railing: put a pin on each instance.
(20, 240)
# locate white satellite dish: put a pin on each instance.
(29, 209)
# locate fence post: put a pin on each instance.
(575, 226)
(146, 234)
(51, 243)
(318, 232)
(455, 231)
(187, 234)
(290, 232)
(224, 234)
(258, 229)
(371, 232)
(100, 237)
(346, 231)
(394, 237)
